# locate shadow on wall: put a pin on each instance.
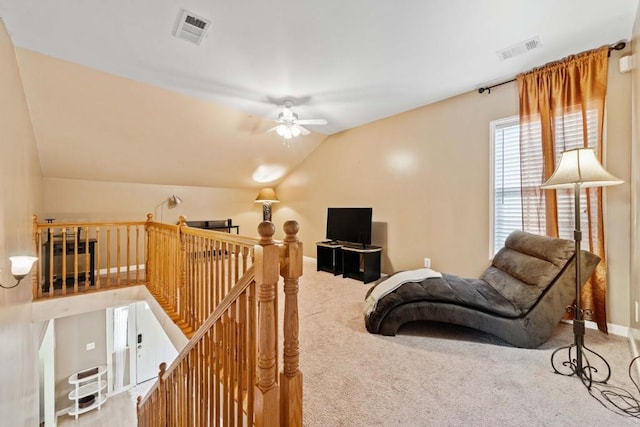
(379, 238)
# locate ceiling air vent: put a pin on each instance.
(191, 27)
(520, 48)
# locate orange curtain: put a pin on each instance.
(562, 106)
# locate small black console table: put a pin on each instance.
(349, 259)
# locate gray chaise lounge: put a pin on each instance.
(520, 298)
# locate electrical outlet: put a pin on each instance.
(427, 262)
(91, 346)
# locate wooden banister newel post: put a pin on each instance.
(267, 254)
(291, 377)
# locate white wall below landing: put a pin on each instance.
(19, 374)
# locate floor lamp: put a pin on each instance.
(579, 168)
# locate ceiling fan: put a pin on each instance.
(289, 125)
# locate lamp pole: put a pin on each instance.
(579, 168)
(579, 366)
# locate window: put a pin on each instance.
(516, 176)
(506, 193)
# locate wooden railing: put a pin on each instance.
(191, 270)
(227, 374)
(76, 257)
(210, 382)
(221, 289)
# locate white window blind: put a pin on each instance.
(517, 173)
(507, 201)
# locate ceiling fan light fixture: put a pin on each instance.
(290, 126)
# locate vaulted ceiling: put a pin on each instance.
(114, 95)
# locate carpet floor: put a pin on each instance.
(433, 374)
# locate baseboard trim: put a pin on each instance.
(634, 336)
(621, 331)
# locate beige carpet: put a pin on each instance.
(433, 374)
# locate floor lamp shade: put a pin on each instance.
(174, 201)
(580, 166)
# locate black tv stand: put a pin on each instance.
(353, 260)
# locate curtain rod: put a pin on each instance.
(617, 46)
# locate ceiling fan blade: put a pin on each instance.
(303, 131)
(273, 128)
(312, 122)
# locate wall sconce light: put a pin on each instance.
(20, 267)
(267, 196)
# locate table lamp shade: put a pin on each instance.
(267, 195)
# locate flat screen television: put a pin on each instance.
(349, 225)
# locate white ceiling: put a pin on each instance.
(350, 62)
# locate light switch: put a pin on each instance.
(91, 346)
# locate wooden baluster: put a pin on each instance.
(108, 256)
(98, 260)
(218, 282)
(181, 259)
(150, 277)
(245, 256)
(75, 260)
(267, 407)
(128, 254)
(199, 283)
(162, 396)
(137, 255)
(139, 412)
(64, 261)
(118, 252)
(87, 282)
(37, 247)
(291, 377)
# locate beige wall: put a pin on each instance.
(426, 175)
(635, 182)
(21, 195)
(618, 198)
(103, 127)
(69, 199)
(72, 334)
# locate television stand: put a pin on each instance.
(329, 257)
(352, 260)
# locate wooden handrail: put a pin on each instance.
(228, 237)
